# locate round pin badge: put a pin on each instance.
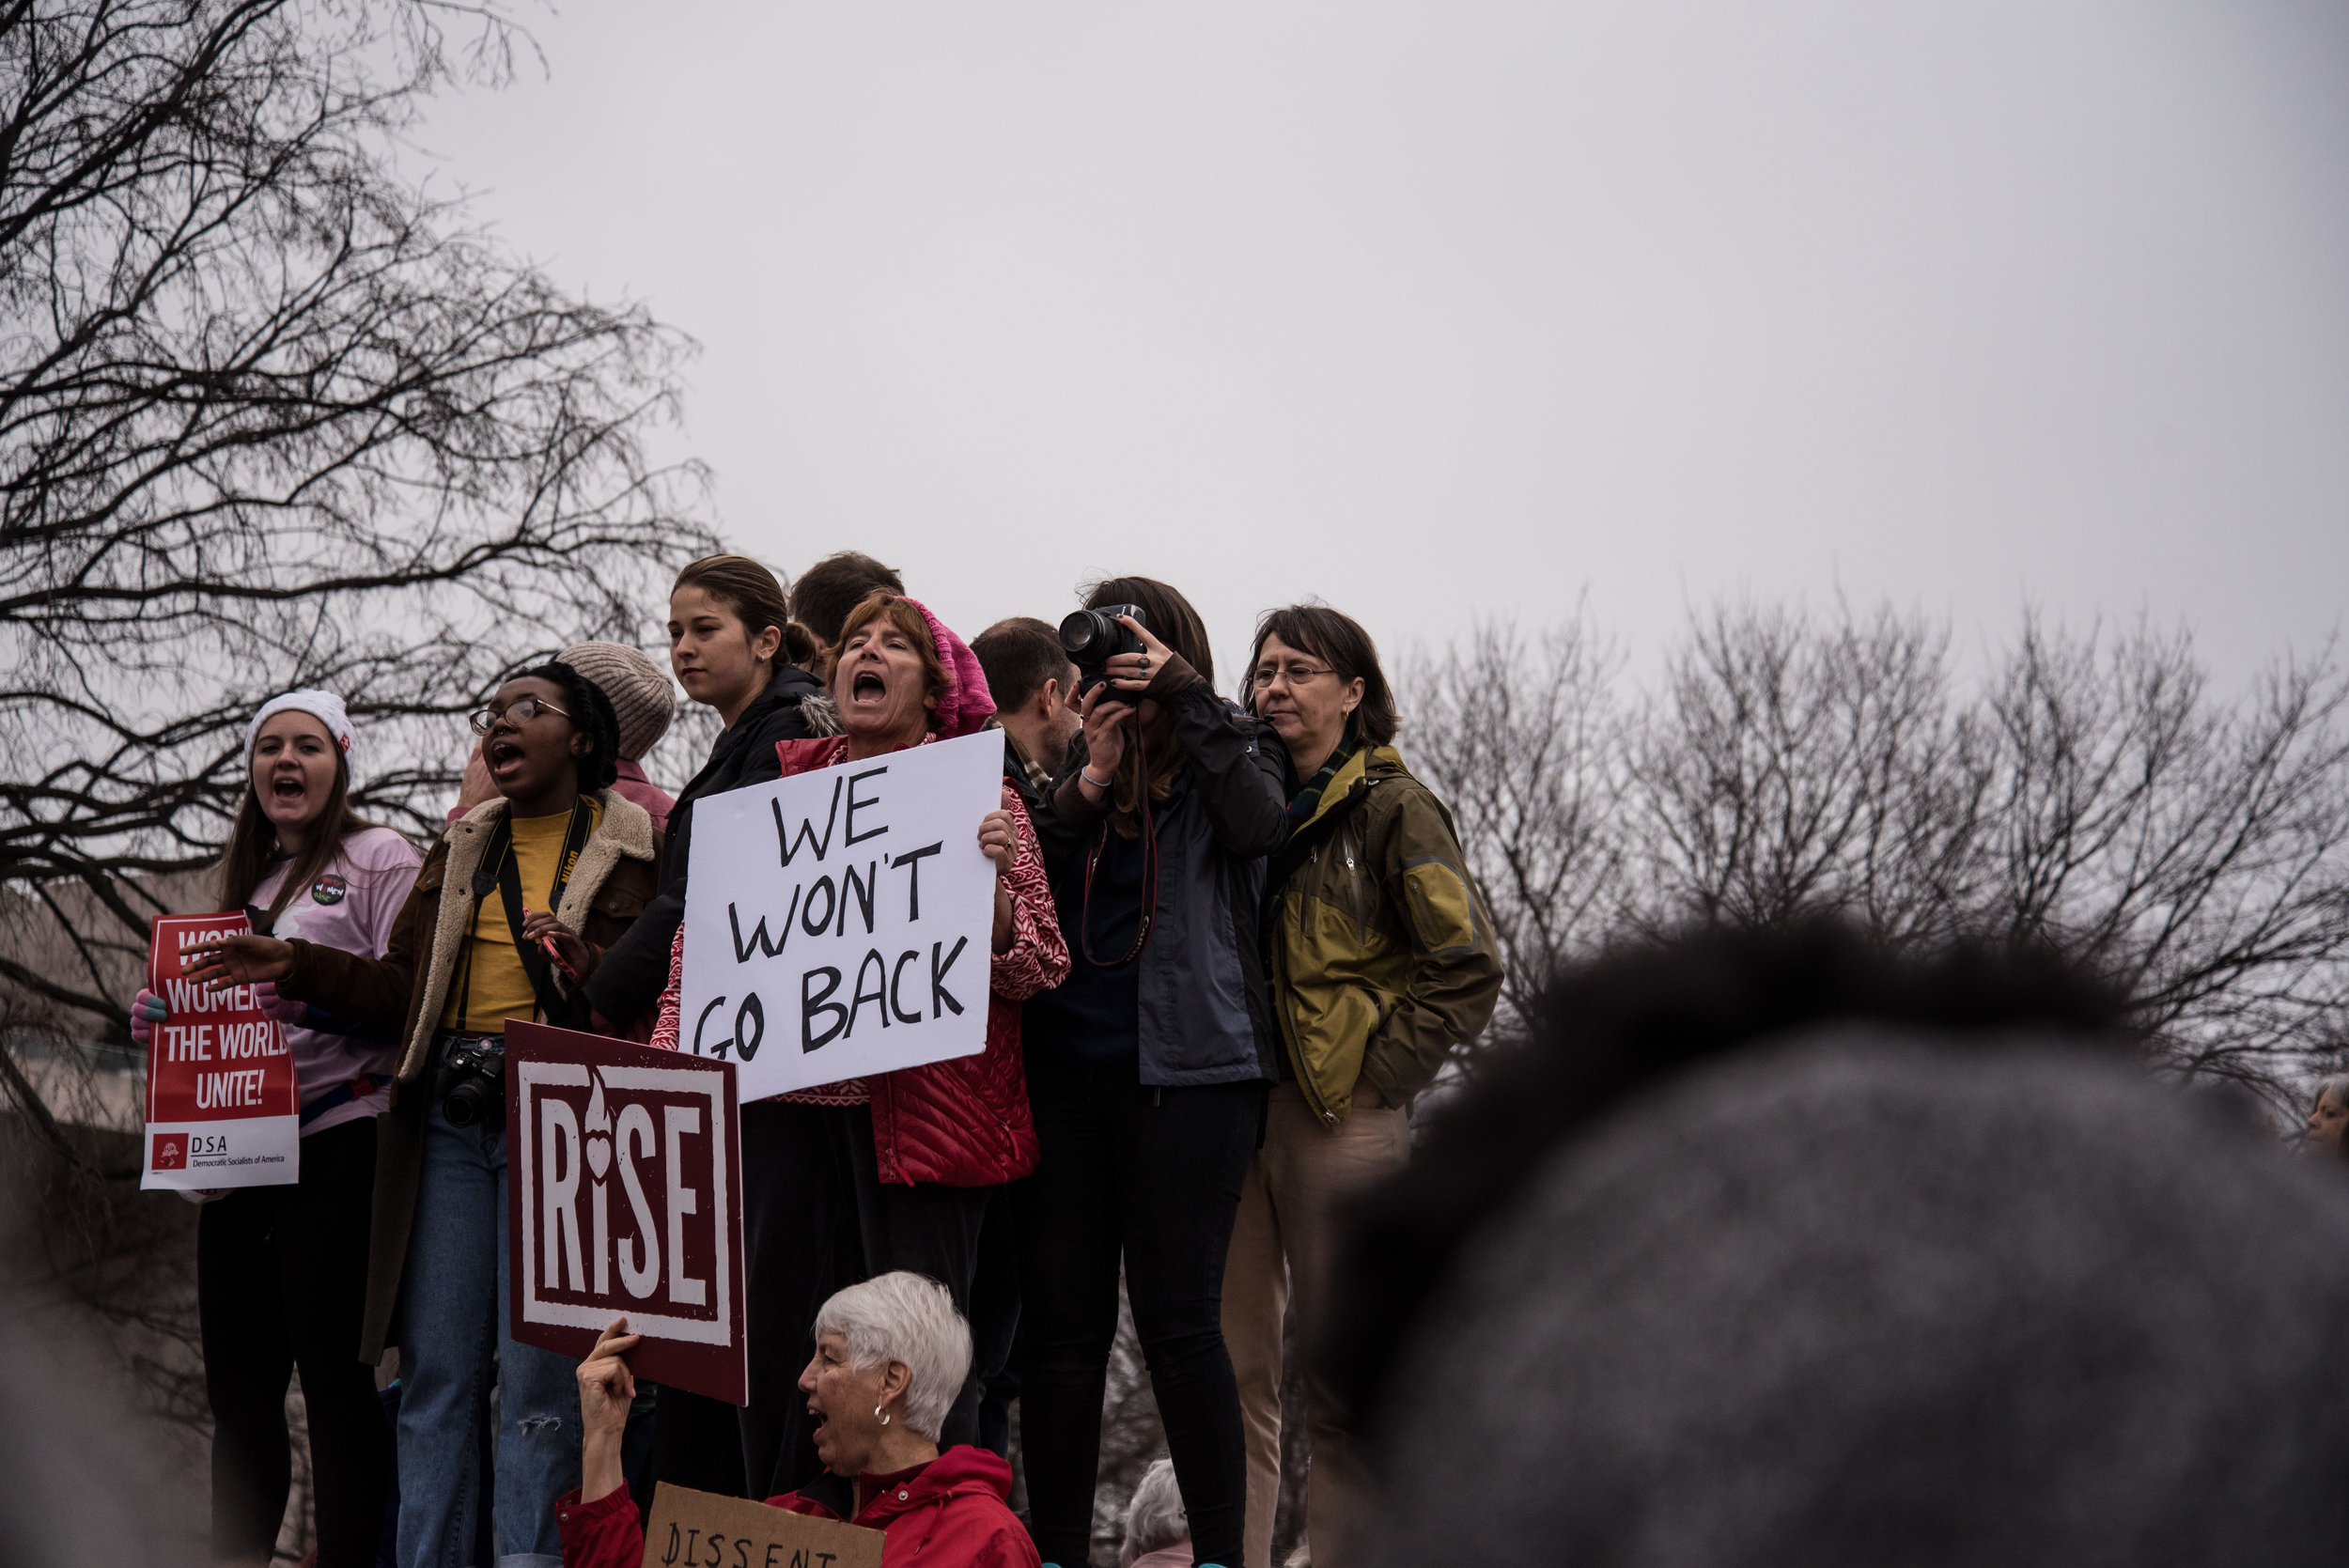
(330, 888)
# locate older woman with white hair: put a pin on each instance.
(890, 1355)
(1158, 1532)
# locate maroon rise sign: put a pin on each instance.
(625, 1199)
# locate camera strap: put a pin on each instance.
(1149, 872)
(501, 869)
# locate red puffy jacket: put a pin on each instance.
(964, 1123)
(951, 1516)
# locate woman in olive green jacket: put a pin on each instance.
(1380, 957)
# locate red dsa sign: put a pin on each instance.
(624, 1197)
(222, 1106)
(220, 1057)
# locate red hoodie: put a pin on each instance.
(951, 1514)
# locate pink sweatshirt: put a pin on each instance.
(351, 906)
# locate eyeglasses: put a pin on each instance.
(1297, 675)
(521, 711)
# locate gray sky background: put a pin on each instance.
(1441, 310)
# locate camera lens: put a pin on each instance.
(1079, 630)
(472, 1085)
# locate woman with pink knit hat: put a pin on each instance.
(856, 1179)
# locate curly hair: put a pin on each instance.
(592, 715)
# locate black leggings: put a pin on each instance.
(281, 1282)
(816, 1217)
(1152, 1175)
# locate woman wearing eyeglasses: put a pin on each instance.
(511, 913)
(1382, 958)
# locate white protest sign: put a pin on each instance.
(840, 921)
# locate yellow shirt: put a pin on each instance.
(500, 987)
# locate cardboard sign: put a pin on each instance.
(841, 920)
(700, 1529)
(222, 1105)
(623, 1199)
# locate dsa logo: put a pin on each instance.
(171, 1151)
(623, 1204)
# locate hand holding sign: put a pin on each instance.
(244, 959)
(999, 841)
(606, 1388)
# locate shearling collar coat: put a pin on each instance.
(616, 875)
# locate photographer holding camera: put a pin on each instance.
(1148, 1067)
(510, 915)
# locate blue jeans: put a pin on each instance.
(452, 1347)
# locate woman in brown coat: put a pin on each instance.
(510, 915)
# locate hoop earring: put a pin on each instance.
(878, 1417)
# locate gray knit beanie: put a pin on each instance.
(640, 690)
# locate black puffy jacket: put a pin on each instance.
(627, 985)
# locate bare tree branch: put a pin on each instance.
(2087, 792)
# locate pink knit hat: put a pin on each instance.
(966, 705)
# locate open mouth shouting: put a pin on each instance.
(503, 756)
(869, 689)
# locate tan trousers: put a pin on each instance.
(1282, 1240)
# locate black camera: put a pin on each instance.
(1092, 638)
(472, 1080)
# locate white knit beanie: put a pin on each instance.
(642, 696)
(326, 707)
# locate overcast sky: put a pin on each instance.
(1447, 309)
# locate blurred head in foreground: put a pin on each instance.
(2328, 1114)
(1773, 1249)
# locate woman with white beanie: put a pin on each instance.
(282, 1271)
